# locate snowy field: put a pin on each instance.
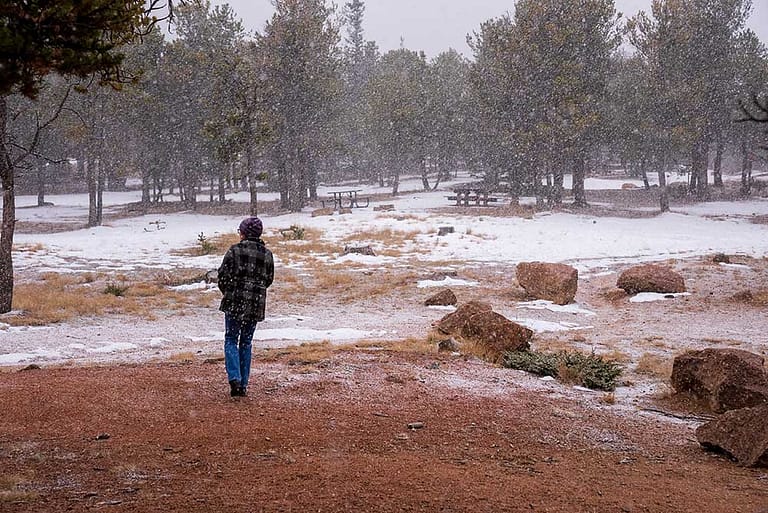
(594, 245)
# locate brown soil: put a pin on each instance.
(331, 433)
(335, 436)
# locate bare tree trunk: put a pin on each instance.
(222, 187)
(100, 176)
(9, 215)
(396, 179)
(440, 174)
(425, 175)
(718, 165)
(644, 174)
(41, 184)
(699, 177)
(313, 165)
(145, 188)
(556, 197)
(663, 188)
(254, 200)
(90, 177)
(579, 171)
(746, 170)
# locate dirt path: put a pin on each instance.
(334, 436)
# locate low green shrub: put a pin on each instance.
(115, 289)
(294, 232)
(588, 370)
(206, 246)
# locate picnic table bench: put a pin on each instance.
(339, 198)
(472, 196)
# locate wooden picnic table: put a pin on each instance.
(477, 196)
(339, 198)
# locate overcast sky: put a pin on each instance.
(436, 25)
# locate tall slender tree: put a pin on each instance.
(299, 66)
(67, 37)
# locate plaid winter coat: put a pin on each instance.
(245, 273)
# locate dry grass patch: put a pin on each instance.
(47, 303)
(723, 341)
(334, 280)
(29, 247)
(352, 286)
(207, 245)
(752, 297)
(308, 353)
(426, 345)
(555, 345)
(315, 353)
(388, 237)
(186, 356)
(61, 297)
(400, 217)
(654, 365)
(177, 277)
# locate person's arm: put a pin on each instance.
(225, 273)
(269, 269)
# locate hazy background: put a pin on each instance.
(436, 25)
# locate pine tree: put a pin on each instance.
(75, 39)
(298, 63)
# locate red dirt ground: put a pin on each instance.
(334, 436)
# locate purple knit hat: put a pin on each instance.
(251, 228)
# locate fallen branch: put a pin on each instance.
(698, 418)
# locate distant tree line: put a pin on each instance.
(550, 91)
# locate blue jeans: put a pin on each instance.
(237, 348)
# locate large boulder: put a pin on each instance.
(491, 332)
(742, 434)
(495, 335)
(724, 379)
(453, 323)
(553, 282)
(651, 278)
(445, 297)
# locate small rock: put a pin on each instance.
(444, 230)
(448, 345)
(445, 297)
(651, 278)
(415, 425)
(328, 211)
(554, 282)
(360, 250)
(103, 436)
(32, 366)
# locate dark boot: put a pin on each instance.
(234, 388)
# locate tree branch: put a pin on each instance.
(756, 109)
(30, 150)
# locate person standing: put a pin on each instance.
(244, 275)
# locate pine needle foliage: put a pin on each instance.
(588, 370)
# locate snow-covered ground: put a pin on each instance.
(592, 244)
